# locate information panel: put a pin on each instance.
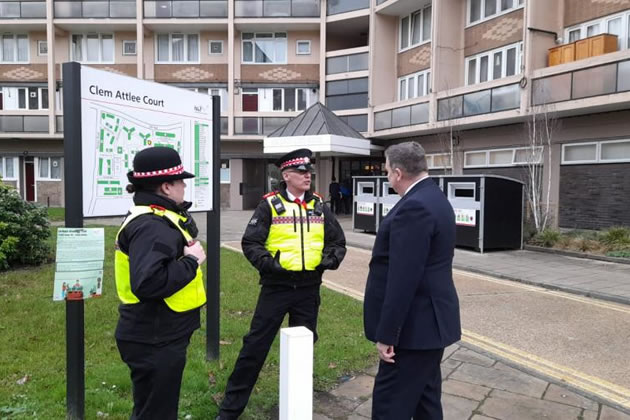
(120, 116)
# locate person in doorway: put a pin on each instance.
(159, 282)
(334, 190)
(346, 196)
(291, 239)
(411, 309)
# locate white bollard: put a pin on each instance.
(296, 374)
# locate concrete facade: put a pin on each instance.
(329, 53)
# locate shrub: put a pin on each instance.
(547, 238)
(616, 237)
(624, 253)
(24, 229)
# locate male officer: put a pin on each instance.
(411, 309)
(291, 239)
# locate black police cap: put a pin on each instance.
(157, 164)
(299, 159)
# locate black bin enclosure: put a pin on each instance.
(488, 211)
(364, 207)
(387, 198)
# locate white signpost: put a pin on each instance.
(121, 116)
(296, 373)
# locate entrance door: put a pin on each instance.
(33, 98)
(29, 178)
(253, 187)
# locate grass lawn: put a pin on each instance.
(32, 339)
(56, 214)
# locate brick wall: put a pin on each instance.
(494, 33)
(23, 72)
(50, 190)
(293, 73)
(225, 196)
(414, 59)
(578, 11)
(594, 196)
(191, 73)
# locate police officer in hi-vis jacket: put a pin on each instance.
(291, 239)
(158, 281)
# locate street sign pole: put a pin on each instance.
(75, 348)
(213, 232)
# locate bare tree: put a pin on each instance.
(449, 142)
(541, 126)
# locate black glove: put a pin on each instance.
(272, 265)
(328, 262)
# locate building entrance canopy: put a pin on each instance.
(318, 129)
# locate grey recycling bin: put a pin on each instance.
(387, 199)
(364, 204)
(488, 211)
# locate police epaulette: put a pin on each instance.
(266, 196)
(318, 195)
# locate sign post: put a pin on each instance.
(108, 118)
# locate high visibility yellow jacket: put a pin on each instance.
(297, 233)
(192, 296)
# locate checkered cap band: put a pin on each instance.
(176, 170)
(295, 162)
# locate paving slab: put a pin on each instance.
(469, 356)
(465, 390)
(564, 396)
(359, 387)
(516, 382)
(612, 414)
(457, 408)
(506, 405)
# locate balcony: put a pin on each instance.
(604, 79)
(276, 8)
(22, 9)
(186, 9)
(403, 116)
(95, 9)
(258, 126)
(336, 7)
(347, 63)
(496, 99)
(23, 123)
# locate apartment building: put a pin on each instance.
(462, 77)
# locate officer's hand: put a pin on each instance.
(197, 251)
(328, 262)
(272, 265)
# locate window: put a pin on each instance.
(303, 48)
(282, 99)
(177, 48)
(504, 62)
(42, 48)
(479, 10)
(415, 28)
(14, 48)
(516, 156)
(610, 151)
(264, 48)
(414, 85)
(225, 171)
(24, 98)
(129, 47)
(49, 168)
(92, 48)
(347, 94)
(617, 24)
(8, 167)
(438, 160)
(215, 47)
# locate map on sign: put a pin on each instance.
(121, 116)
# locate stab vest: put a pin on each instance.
(192, 296)
(297, 232)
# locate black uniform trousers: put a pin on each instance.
(274, 302)
(411, 387)
(156, 375)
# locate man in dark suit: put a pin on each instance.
(411, 309)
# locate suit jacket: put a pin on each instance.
(410, 299)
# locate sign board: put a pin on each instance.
(79, 268)
(120, 116)
(465, 217)
(386, 208)
(365, 208)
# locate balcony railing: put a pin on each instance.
(342, 6)
(580, 84)
(486, 101)
(347, 63)
(95, 9)
(22, 9)
(276, 8)
(402, 116)
(23, 123)
(186, 9)
(258, 126)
